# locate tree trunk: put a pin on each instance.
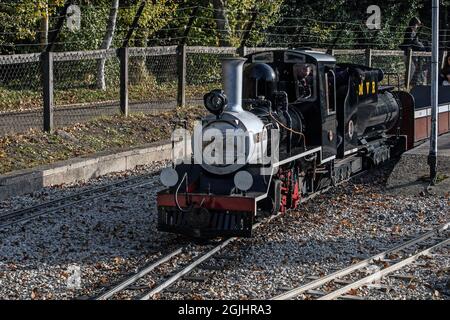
(110, 29)
(44, 28)
(139, 74)
(223, 26)
(447, 26)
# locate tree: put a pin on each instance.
(314, 23)
(44, 26)
(20, 23)
(223, 26)
(23, 23)
(155, 16)
(446, 25)
(107, 40)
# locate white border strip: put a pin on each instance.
(301, 155)
(427, 112)
(350, 151)
(328, 159)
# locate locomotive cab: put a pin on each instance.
(308, 79)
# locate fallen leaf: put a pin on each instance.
(353, 292)
(34, 294)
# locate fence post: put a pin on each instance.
(181, 71)
(369, 57)
(123, 58)
(242, 51)
(408, 68)
(47, 75)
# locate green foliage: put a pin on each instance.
(155, 16)
(19, 22)
(94, 15)
(239, 13)
(279, 23)
(305, 23)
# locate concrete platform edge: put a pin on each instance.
(81, 169)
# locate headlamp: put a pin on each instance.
(243, 180)
(215, 101)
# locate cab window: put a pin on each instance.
(330, 90)
(305, 82)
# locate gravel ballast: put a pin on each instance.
(109, 238)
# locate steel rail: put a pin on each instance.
(49, 211)
(15, 213)
(379, 274)
(186, 270)
(124, 284)
(198, 261)
(343, 272)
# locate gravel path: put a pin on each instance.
(109, 238)
(105, 239)
(345, 225)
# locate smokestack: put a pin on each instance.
(232, 70)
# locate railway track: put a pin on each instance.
(338, 284)
(29, 213)
(406, 253)
(173, 276)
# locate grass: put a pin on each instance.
(34, 148)
(19, 100)
(15, 100)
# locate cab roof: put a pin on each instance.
(317, 55)
(314, 55)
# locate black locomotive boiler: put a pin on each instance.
(329, 121)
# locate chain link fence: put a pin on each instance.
(393, 63)
(152, 79)
(203, 71)
(20, 92)
(87, 85)
(420, 69)
(350, 56)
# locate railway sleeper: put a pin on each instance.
(195, 278)
(319, 293)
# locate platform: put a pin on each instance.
(410, 174)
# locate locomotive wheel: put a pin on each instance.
(337, 175)
(348, 172)
(277, 197)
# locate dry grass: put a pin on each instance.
(33, 148)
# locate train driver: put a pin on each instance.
(303, 74)
(445, 72)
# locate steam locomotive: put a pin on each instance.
(298, 123)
